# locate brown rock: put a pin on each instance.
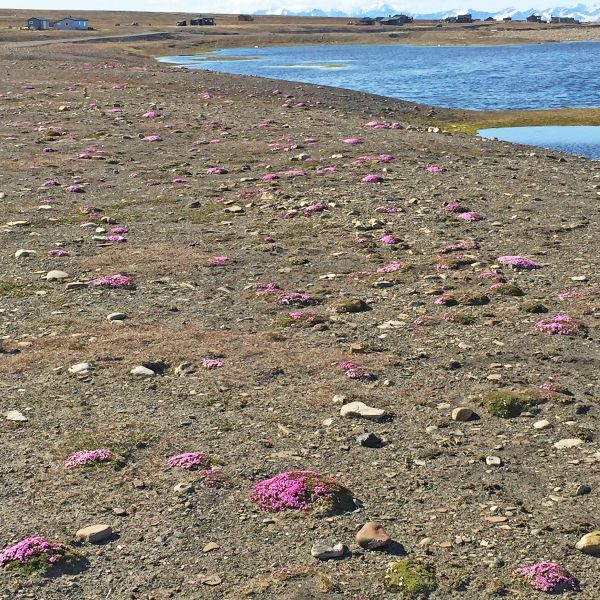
(372, 535)
(462, 413)
(94, 533)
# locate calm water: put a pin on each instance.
(581, 140)
(475, 77)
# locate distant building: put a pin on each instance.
(396, 20)
(507, 19)
(490, 19)
(366, 21)
(38, 23)
(563, 20)
(466, 18)
(182, 23)
(534, 19)
(245, 18)
(202, 21)
(71, 23)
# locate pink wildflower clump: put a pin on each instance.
(471, 217)
(294, 299)
(454, 207)
(190, 461)
(153, 138)
(385, 158)
(119, 230)
(435, 169)
(87, 457)
(32, 550)
(270, 177)
(460, 245)
(518, 262)
(372, 179)
(113, 281)
(292, 490)
(391, 268)
(216, 171)
(58, 252)
(51, 182)
(353, 141)
(354, 371)
(548, 577)
(314, 208)
(324, 170)
(560, 325)
(116, 239)
(218, 261)
(212, 363)
(75, 189)
(388, 239)
(151, 114)
(388, 210)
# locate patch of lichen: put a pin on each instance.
(412, 578)
(304, 322)
(508, 289)
(65, 560)
(508, 404)
(534, 307)
(351, 305)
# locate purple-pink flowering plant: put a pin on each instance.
(548, 577)
(560, 324)
(472, 217)
(191, 461)
(518, 262)
(296, 490)
(218, 261)
(212, 363)
(372, 179)
(354, 371)
(84, 458)
(113, 281)
(36, 555)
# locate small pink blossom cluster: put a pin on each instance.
(113, 281)
(308, 317)
(270, 177)
(153, 138)
(216, 171)
(291, 490)
(151, 114)
(379, 125)
(119, 230)
(471, 217)
(314, 208)
(548, 577)
(324, 170)
(29, 548)
(116, 238)
(559, 325)
(454, 207)
(212, 363)
(58, 252)
(460, 245)
(86, 457)
(354, 371)
(391, 268)
(518, 262)
(284, 298)
(385, 158)
(76, 189)
(218, 261)
(190, 461)
(52, 182)
(294, 173)
(388, 239)
(372, 179)
(90, 211)
(388, 210)
(435, 169)
(353, 141)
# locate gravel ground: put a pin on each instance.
(274, 404)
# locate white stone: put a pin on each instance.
(116, 316)
(360, 409)
(324, 551)
(94, 533)
(543, 424)
(142, 371)
(82, 367)
(23, 253)
(568, 443)
(493, 461)
(56, 275)
(15, 415)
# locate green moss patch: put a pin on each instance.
(412, 578)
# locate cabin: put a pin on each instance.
(246, 18)
(563, 20)
(38, 23)
(396, 20)
(534, 19)
(202, 21)
(366, 21)
(182, 23)
(489, 19)
(507, 19)
(71, 23)
(466, 18)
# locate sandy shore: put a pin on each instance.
(227, 185)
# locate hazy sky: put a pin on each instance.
(237, 6)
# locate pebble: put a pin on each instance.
(142, 371)
(360, 409)
(56, 276)
(119, 512)
(323, 550)
(568, 443)
(369, 440)
(82, 367)
(15, 415)
(462, 413)
(589, 543)
(184, 488)
(493, 461)
(210, 547)
(23, 253)
(116, 316)
(94, 533)
(543, 424)
(211, 580)
(76, 285)
(582, 490)
(372, 535)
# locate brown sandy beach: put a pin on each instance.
(231, 184)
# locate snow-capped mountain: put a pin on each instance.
(581, 12)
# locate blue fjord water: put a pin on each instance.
(544, 76)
